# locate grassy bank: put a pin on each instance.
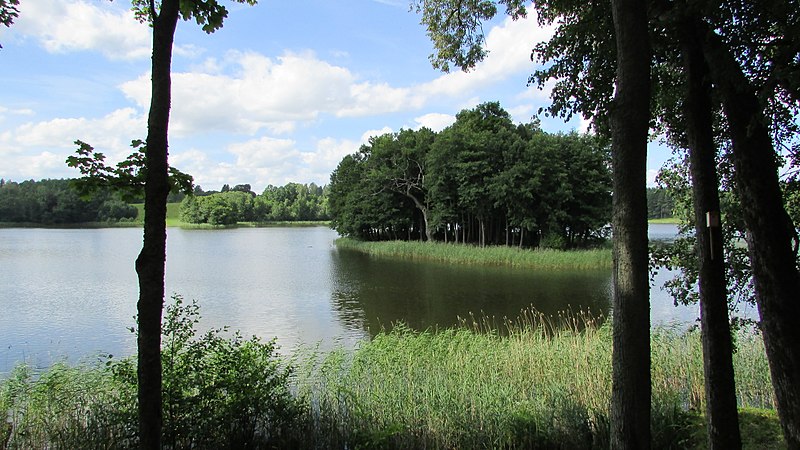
(174, 220)
(489, 256)
(533, 385)
(669, 220)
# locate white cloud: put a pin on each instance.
(509, 46)
(15, 112)
(435, 121)
(373, 133)
(274, 94)
(75, 25)
(266, 160)
(651, 177)
(37, 149)
(264, 152)
(248, 92)
(521, 113)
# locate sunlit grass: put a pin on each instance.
(530, 385)
(667, 220)
(488, 256)
(535, 382)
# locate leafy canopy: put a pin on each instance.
(209, 14)
(455, 29)
(128, 177)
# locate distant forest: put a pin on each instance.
(57, 202)
(659, 204)
(292, 202)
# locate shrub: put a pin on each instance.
(218, 392)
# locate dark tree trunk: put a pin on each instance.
(151, 260)
(721, 411)
(771, 231)
(630, 394)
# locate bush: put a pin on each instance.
(218, 392)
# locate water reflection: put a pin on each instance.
(376, 292)
(72, 293)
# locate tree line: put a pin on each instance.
(483, 180)
(291, 202)
(56, 202)
(720, 80)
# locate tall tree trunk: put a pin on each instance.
(151, 261)
(771, 231)
(720, 387)
(631, 388)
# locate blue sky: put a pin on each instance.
(280, 94)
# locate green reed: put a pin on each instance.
(488, 256)
(536, 383)
(529, 382)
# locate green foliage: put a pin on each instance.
(209, 14)
(659, 204)
(455, 28)
(681, 255)
(57, 202)
(220, 391)
(127, 178)
(532, 382)
(292, 202)
(536, 382)
(9, 11)
(482, 180)
(485, 256)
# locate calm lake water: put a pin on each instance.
(71, 294)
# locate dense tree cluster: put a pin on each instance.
(292, 202)
(482, 180)
(55, 202)
(660, 204)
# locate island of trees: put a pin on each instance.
(483, 180)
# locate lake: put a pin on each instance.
(71, 293)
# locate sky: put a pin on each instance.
(280, 94)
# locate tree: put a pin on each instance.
(9, 10)
(699, 137)
(163, 17)
(772, 233)
(453, 26)
(630, 123)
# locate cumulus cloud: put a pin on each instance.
(509, 46)
(73, 25)
(266, 160)
(247, 92)
(435, 121)
(258, 92)
(38, 149)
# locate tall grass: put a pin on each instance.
(532, 386)
(488, 256)
(534, 382)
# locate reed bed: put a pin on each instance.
(532, 382)
(539, 383)
(487, 256)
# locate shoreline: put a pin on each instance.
(487, 256)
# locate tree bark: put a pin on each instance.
(720, 387)
(151, 261)
(631, 387)
(771, 231)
